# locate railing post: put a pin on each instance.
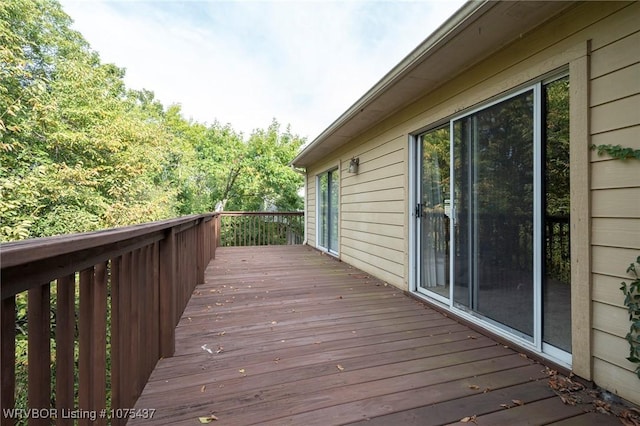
(8, 357)
(168, 282)
(201, 263)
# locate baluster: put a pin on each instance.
(116, 338)
(85, 329)
(99, 342)
(65, 338)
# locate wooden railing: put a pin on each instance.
(261, 228)
(108, 303)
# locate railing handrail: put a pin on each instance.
(119, 294)
(24, 251)
(93, 247)
(263, 213)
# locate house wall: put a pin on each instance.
(598, 44)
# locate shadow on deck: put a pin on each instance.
(286, 335)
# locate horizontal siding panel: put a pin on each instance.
(617, 380)
(374, 246)
(395, 231)
(612, 349)
(393, 157)
(610, 319)
(609, 232)
(381, 274)
(617, 55)
(391, 182)
(378, 147)
(629, 137)
(374, 217)
(392, 243)
(615, 174)
(617, 85)
(612, 261)
(375, 265)
(394, 194)
(606, 289)
(375, 206)
(389, 170)
(623, 202)
(616, 115)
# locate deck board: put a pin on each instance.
(286, 335)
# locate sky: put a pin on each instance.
(245, 63)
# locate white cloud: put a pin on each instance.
(244, 63)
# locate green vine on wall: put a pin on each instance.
(632, 290)
(632, 301)
(617, 151)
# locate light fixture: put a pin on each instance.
(353, 165)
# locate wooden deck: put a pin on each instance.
(284, 335)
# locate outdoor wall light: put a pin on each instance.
(353, 165)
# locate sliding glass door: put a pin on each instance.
(492, 215)
(328, 184)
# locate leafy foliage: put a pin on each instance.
(632, 301)
(80, 152)
(617, 151)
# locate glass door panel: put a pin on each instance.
(556, 290)
(334, 183)
(493, 233)
(433, 211)
(328, 198)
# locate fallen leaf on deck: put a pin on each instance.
(220, 349)
(474, 387)
(487, 390)
(203, 388)
(207, 419)
(222, 333)
(471, 419)
(341, 368)
(472, 337)
(517, 402)
(505, 406)
(241, 371)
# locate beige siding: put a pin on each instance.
(616, 85)
(310, 214)
(598, 42)
(615, 185)
(618, 380)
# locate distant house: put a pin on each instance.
(465, 176)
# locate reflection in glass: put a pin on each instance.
(556, 290)
(434, 210)
(493, 171)
(328, 184)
